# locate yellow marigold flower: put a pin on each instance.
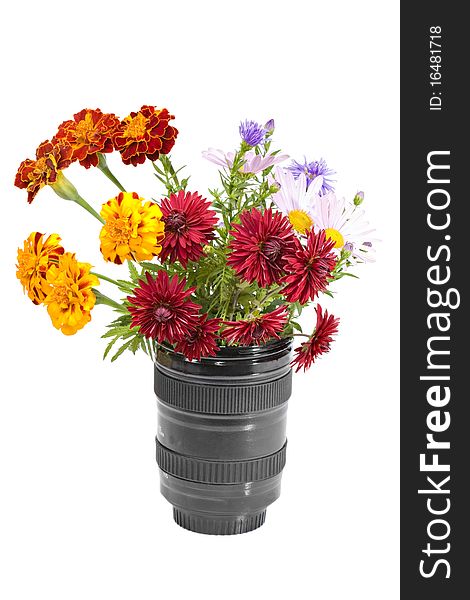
(133, 229)
(34, 261)
(70, 299)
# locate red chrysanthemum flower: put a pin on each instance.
(257, 330)
(161, 308)
(308, 268)
(51, 157)
(89, 132)
(201, 341)
(318, 343)
(189, 224)
(145, 134)
(259, 245)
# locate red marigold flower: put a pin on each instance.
(308, 268)
(201, 341)
(259, 245)
(162, 308)
(51, 157)
(257, 330)
(318, 343)
(189, 224)
(146, 133)
(89, 132)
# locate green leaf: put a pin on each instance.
(121, 350)
(119, 331)
(109, 346)
(125, 286)
(148, 266)
(133, 271)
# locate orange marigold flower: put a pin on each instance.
(51, 158)
(71, 298)
(146, 133)
(89, 132)
(34, 261)
(133, 229)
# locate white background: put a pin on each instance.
(81, 512)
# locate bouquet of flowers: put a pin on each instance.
(234, 268)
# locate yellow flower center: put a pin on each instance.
(119, 229)
(300, 220)
(336, 236)
(41, 167)
(85, 130)
(136, 126)
(27, 263)
(62, 295)
(242, 170)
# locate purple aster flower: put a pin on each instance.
(252, 133)
(314, 169)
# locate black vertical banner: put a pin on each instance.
(435, 267)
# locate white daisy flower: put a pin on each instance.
(254, 163)
(218, 157)
(343, 222)
(295, 200)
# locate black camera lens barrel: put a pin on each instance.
(221, 442)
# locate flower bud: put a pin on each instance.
(358, 198)
(270, 126)
(64, 188)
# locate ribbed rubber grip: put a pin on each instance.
(220, 472)
(218, 526)
(224, 400)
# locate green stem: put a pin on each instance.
(234, 303)
(172, 171)
(168, 175)
(84, 204)
(102, 299)
(105, 278)
(240, 288)
(103, 167)
(269, 295)
(66, 190)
